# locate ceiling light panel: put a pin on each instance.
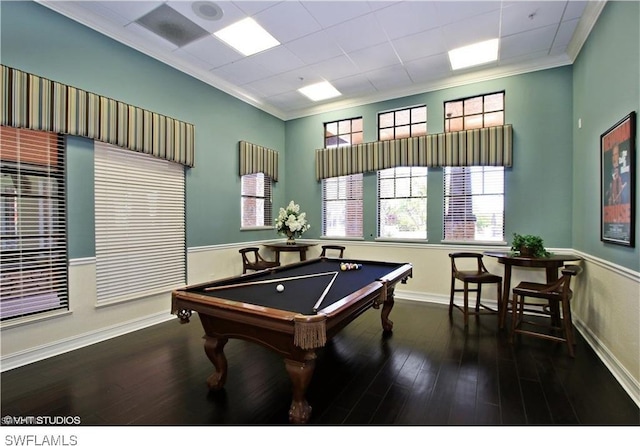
(247, 37)
(475, 54)
(320, 91)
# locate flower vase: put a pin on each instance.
(291, 238)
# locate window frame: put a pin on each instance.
(413, 130)
(38, 154)
(266, 197)
(446, 172)
(353, 203)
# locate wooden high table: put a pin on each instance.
(551, 265)
(300, 247)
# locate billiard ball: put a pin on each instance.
(280, 288)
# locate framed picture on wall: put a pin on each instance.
(617, 182)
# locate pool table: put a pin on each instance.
(318, 300)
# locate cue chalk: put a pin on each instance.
(324, 293)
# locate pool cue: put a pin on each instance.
(258, 282)
(324, 293)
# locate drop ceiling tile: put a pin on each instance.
(279, 59)
(242, 71)
(252, 7)
(524, 16)
(213, 51)
(375, 57)
(329, 13)
(429, 68)
(102, 10)
(357, 84)
(565, 33)
(527, 42)
(417, 46)
(270, 86)
(406, 18)
(524, 59)
(389, 78)
(335, 68)
(287, 21)
(292, 100)
(314, 48)
(574, 10)
(128, 9)
(357, 34)
(472, 30)
(457, 11)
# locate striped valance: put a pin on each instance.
(490, 146)
(255, 158)
(33, 102)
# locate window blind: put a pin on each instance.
(402, 203)
(474, 203)
(342, 206)
(33, 254)
(256, 203)
(140, 224)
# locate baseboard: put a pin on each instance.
(628, 383)
(44, 351)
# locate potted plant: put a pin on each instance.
(529, 245)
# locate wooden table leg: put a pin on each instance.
(300, 373)
(214, 348)
(554, 306)
(506, 293)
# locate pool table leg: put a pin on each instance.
(300, 372)
(214, 348)
(387, 306)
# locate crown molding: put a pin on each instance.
(584, 27)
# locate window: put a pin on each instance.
(342, 196)
(33, 243)
(402, 191)
(402, 202)
(474, 196)
(256, 200)
(140, 224)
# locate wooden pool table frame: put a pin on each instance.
(280, 330)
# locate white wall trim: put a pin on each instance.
(44, 351)
(628, 383)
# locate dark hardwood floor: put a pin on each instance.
(430, 371)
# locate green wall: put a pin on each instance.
(552, 189)
(39, 41)
(538, 186)
(606, 87)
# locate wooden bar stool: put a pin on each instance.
(339, 250)
(556, 303)
(253, 261)
(478, 276)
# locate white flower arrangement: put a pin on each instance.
(291, 222)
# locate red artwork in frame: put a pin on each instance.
(617, 181)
